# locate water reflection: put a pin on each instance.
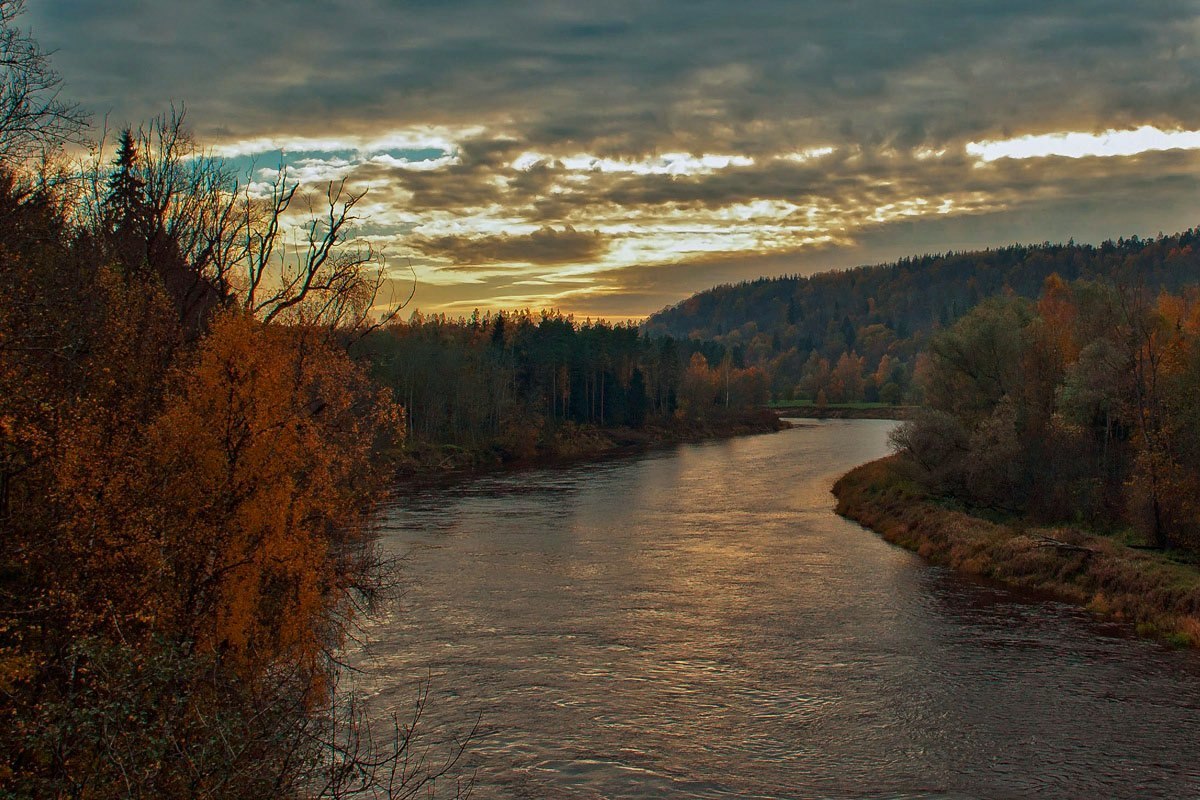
(696, 622)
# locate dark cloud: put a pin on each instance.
(884, 82)
(544, 246)
(632, 75)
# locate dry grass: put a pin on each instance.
(1155, 594)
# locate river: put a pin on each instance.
(697, 622)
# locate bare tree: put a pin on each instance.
(192, 200)
(214, 241)
(34, 118)
(166, 209)
(324, 275)
(358, 760)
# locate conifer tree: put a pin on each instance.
(125, 208)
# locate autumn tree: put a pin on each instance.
(1161, 486)
(700, 387)
(1082, 407)
(184, 496)
(846, 382)
(261, 444)
(1058, 311)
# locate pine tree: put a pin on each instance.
(125, 211)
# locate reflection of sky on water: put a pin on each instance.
(697, 622)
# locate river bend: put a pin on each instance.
(697, 622)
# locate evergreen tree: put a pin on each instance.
(125, 209)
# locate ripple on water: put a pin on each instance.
(697, 623)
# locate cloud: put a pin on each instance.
(629, 77)
(587, 152)
(543, 246)
(1082, 145)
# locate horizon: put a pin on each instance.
(612, 162)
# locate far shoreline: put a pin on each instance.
(575, 444)
(845, 411)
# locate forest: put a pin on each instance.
(859, 334)
(187, 459)
(1079, 407)
(516, 384)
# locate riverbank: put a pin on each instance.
(851, 411)
(1159, 596)
(571, 442)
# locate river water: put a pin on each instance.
(697, 622)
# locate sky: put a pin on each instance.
(611, 158)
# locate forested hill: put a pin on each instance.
(789, 325)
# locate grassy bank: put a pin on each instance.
(1149, 590)
(574, 442)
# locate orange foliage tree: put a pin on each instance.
(184, 507)
(261, 447)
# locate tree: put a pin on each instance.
(34, 119)
(212, 242)
(978, 361)
(169, 215)
(126, 199)
(1091, 392)
(846, 381)
(639, 402)
(1058, 310)
(261, 445)
(816, 376)
(126, 213)
(1151, 339)
(699, 388)
(329, 279)
(937, 443)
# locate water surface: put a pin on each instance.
(696, 622)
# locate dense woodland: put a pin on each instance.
(184, 489)
(859, 334)
(1083, 406)
(514, 383)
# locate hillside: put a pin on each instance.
(855, 334)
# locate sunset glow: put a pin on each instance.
(1083, 145)
(533, 157)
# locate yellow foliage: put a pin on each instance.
(261, 447)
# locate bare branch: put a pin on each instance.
(34, 119)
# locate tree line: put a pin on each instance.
(512, 381)
(1079, 407)
(858, 334)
